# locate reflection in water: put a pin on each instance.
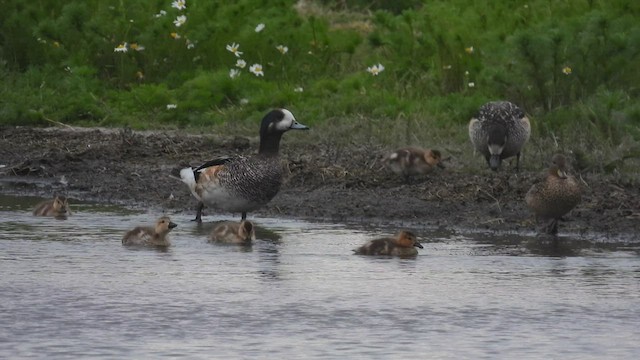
(69, 289)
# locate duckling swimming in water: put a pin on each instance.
(57, 207)
(242, 233)
(411, 161)
(403, 244)
(150, 236)
(558, 194)
(499, 130)
(243, 183)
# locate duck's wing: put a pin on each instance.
(214, 162)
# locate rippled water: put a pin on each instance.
(69, 289)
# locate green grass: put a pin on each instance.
(442, 60)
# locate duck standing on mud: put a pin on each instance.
(498, 131)
(404, 244)
(411, 161)
(243, 183)
(558, 194)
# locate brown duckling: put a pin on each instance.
(412, 161)
(554, 197)
(150, 236)
(241, 233)
(57, 207)
(403, 244)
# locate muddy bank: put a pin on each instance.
(139, 169)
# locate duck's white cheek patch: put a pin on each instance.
(284, 124)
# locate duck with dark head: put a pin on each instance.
(499, 130)
(243, 183)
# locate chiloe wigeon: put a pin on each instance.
(498, 131)
(243, 183)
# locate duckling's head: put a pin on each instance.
(434, 158)
(164, 225)
(274, 124)
(408, 239)
(61, 204)
(246, 231)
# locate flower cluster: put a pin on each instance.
(256, 69)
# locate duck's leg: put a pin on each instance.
(198, 218)
(517, 162)
(244, 215)
(551, 227)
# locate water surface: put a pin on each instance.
(69, 289)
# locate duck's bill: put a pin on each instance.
(418, 245)
(297, 126)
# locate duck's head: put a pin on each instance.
(246, 230)
(496, 141)
(274, 124)
(164, 225)
(61, 204)
(558, 166)
(280, 121)
(408, 239)
(434, 158)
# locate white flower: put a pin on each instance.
(171, 106)
(260, 27)
(447, 67)
(375, 69)
(244, 101)
(283, 49)
(121, 48)
(179, 4)
(567, 70)
(234, 49)
(472, 84)
(298, 89)
(256, 69)
(234, 73)
(160, 14)
(180, 20)
(241, 63)
(469, 50)
(190, 44)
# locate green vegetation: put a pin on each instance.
(572, 65)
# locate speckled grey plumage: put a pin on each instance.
(256, 179)
(243, 183)
(500, 123)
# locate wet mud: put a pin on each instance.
(323, 182)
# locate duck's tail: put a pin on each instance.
(188, 177)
